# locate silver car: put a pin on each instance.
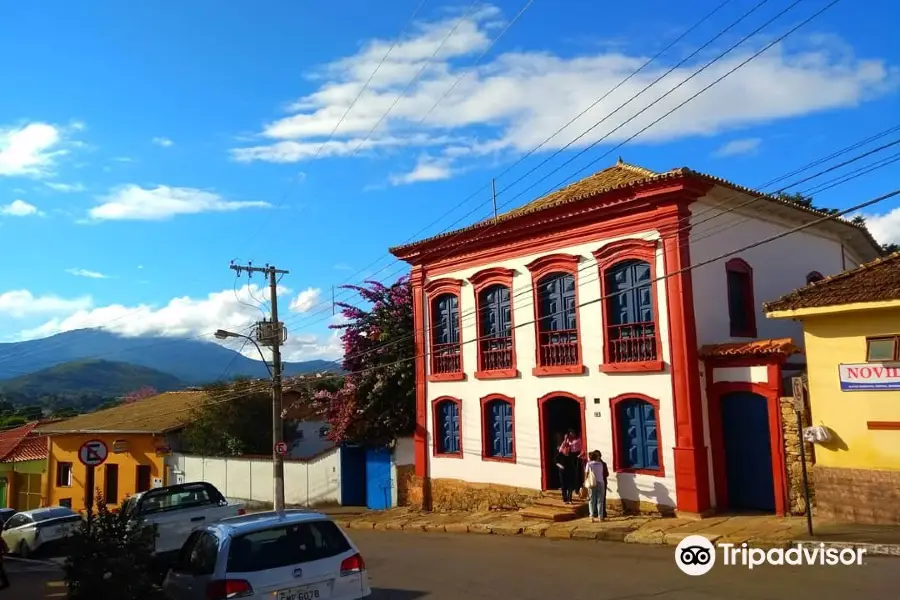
(29, 531)
(296, 555)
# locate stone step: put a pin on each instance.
(547, 513)
(556, 503)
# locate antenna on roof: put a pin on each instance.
(494, 196)
(620, 161)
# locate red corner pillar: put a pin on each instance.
(420, 438)
(692, 483)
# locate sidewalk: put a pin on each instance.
(760, 531)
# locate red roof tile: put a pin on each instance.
(31, 448)
(756, 348)
(11, 438)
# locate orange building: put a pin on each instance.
(138, 437)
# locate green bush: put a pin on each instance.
(108, 560)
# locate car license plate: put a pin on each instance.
(309, 592)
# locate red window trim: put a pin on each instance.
(608, 256)
(617, 439)
(813, 276)
(433, 289)
(739, 265)
(480, 281)
(485, 430)
(554, 263)
(436, 428)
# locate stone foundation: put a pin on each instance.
(793, 464)
(406, 475)
(866, 496)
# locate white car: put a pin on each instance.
(27, 532)
(296, 555)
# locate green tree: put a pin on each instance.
(235, 419)
(109, 560)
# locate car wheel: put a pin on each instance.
(24, 550)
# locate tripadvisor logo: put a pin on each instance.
(696, 555)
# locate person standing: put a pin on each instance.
(564, 467)
(576, 454)
(596, 478)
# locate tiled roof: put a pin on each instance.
(620, 176)
(875, 281)
(11, 438)
(157, 414)
(32, 448)
(756, 348)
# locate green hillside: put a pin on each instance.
(98, 378)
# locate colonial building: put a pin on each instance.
(604, 307)
(851, 324)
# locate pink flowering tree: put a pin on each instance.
(139, 394)
(376, 403)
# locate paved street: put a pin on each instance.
(408, 566)
(30, 580)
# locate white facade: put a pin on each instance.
(309, 439)
(595, 387)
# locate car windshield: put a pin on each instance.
(285, 545)
(53, 513)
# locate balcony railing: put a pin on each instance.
(558, 348)
(635, 342)
(445, 358)
(496, 353)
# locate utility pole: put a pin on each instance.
(272, 334)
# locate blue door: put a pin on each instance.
(378, 479)
(748, 454)
(353, 475)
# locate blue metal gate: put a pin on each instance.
(353, 475)
(748, 453)
(378, 478)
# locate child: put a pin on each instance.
(596, 476)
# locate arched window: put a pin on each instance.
(555, 287)
(636, 436)
(814, 276)
(496, 335)
(499, 435)
(447, 427)
(741, 308)
(446, 343)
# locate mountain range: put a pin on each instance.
(188, 361)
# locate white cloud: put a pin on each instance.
(22, 303)
(134, 203)
(305, 300)
(65, 188)
(506, 105)
(19, 208)
(32, 149)
(885, 227)
(163, 141)
(426, 169)
(180, 317)
(736, 147)
(87, 273)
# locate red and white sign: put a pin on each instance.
(281, 448)
(870, 377)
(93, 453)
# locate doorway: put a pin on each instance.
(748, 452)
(558, 412)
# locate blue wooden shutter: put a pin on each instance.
(502, 426)
(448, 319)
(637, 422)
(557, 302)
(449, 419)
(650, 441)
(633, 299)
(496, 320)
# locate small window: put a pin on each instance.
(813, 276)
(176, 499)
(447, 430)
(202, 560)
(142, 478)
(323, 432)
(499, 434)
(883, 349)
(66, 502)
(64, 474)
(111, 484)
(741, 305)
(285, 546)
(17, 521)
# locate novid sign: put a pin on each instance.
(281, 448)
(93, 453)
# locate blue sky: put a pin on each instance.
(145, 145)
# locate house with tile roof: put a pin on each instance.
(139, 437)
(23, 467)
(851, 324)
(604, 307)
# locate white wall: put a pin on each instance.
(308, 441)
(779, 267)
(597, 388)
(306, 483)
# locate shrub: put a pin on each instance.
(108, 560)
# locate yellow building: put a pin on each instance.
(851, 324)
(138, 437)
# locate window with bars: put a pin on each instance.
(445, 335)
(495, 343)
(557, 321)
(631, 329)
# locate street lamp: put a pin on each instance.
(277, 419)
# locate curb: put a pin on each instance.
(31, 561)
(870, 548)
